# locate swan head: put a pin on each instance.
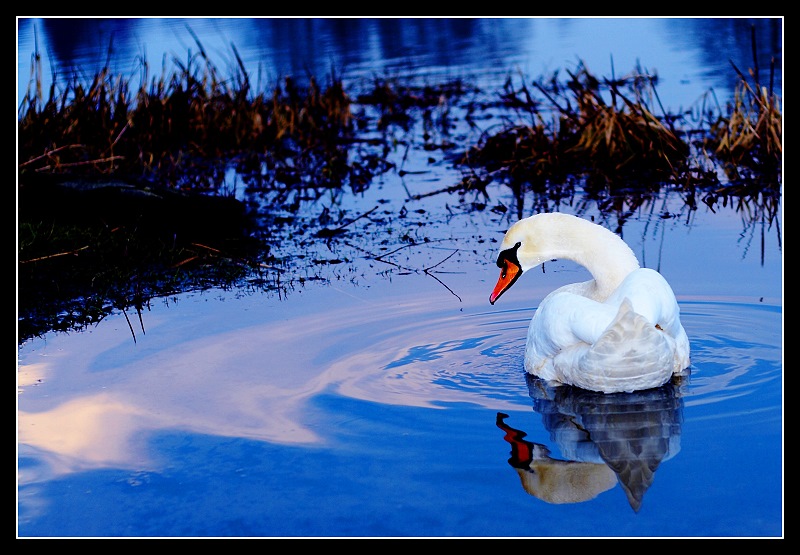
(510, 270)
(549, 236)
(522, 249)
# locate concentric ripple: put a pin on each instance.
(478, 357)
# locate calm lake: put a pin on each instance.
(390, 399)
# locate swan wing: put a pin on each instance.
(633, 340)
(631, 354)
(652, 297)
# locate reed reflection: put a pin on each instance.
(603, 439)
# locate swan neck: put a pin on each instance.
(603, 253)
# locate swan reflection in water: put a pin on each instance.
(604, 439)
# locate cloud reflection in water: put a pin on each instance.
(92, 400)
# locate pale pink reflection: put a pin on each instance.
(90, 432)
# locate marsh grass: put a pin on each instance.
(162, 128)
(111, 176)
(606, 133)
(751, 134)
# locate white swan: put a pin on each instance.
(620, 331)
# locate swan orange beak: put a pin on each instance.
(509, 272)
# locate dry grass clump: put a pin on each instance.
(605, 133)
(585, 127)
(751, 133)
(622, 136)
(164, 128)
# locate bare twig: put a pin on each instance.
(119, 136)
(327, 232)
(49, 153)
(445, 286)
(428, 272)
(76, 251)
(221, 254)
(450, 189)
(441, 261)
(129, 325)
(84, 163)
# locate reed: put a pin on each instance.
(750, 135)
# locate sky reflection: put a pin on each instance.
(249, 382)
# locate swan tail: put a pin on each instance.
(631, 354)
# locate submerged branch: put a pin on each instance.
(327, 232)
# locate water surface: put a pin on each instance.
(373, 410)
(389, 399)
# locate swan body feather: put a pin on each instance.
(620, 331)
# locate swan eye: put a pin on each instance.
(508, 255)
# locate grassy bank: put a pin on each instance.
(121, 189)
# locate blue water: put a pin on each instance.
(391, 402)
(390, 434)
